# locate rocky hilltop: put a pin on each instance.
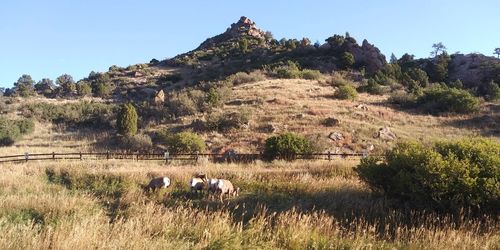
(243, 28)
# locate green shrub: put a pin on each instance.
(83, 89)
(217, 95)
(346, 92)
(126, 120)
(290, 70)
(446, 176)
(310, 74)
(138, 142)
(347, 60)
(442, 99)
(492, 91)
(286, 146)
(182, 143)
(102, 89)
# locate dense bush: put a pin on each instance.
(126, 120)
(138, 142)
(79, 113)
(83, 88)
(286, 146)
(491, 91)
(183, 142)
(346, 92)
(289, 70)
(442, 99)
(347, 60)
(446, 176)
(102, 89)
(13, 130)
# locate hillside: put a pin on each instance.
(240, 87)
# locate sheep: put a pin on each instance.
(159, 182)
(197, 183)
(226, 187)
(212, 185)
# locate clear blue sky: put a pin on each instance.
(52, 37)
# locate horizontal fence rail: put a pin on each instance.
(167, 157)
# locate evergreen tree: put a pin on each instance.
(126, 121)
(24, 86)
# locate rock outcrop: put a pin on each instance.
(474, 69)
(243, 28)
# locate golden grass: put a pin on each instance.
(299, 205)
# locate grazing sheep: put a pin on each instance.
(197, 183)
(159, 182)
(225, 187)
(212, 185)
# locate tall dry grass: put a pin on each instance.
(300, 205)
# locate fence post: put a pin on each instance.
(26, 156)
(197, 155)
(166, 155)
(329, 155)
(53, 156)
(81, 158)
(107, 155)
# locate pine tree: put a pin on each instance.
(126, 121)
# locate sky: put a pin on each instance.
(53, 37)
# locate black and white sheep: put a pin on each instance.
(159, 182)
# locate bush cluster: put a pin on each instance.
(445, 176)
(13, 130)
(80, 113)
(291, 70)
(442, 99)
(182, 143)
(286, 146)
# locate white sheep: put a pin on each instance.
(159, 182)
(225, 187)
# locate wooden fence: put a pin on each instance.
(166, 157)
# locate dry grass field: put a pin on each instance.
(299, 205)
